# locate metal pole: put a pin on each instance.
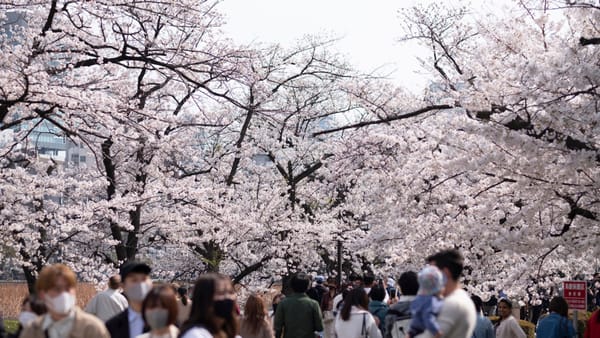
(575, 322)
(339, 265)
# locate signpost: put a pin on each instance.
(575, 293)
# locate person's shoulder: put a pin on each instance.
(197, 332)
(117, 319)
(83, 316)
(33, 327)
(459, 302)
(459, 297)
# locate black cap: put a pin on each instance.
(133, 266)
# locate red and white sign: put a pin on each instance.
(575, 294)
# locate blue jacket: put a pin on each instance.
(424, 310)
(555, 326)
(380, 310)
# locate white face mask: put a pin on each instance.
(26, 317)
(138, 291)
(62, 303)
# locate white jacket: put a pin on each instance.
(352, 327)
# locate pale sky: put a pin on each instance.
(369, 31)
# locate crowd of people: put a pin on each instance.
(430, 303)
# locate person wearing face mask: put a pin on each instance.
(56, 287)
(159, 310)
(136, 285)
(31, 308)
(214, 311)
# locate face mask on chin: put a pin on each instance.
(61, 304)
(138, 291)
(157, 318)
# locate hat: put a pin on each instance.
(133, 266)
(319, 279)
(431, 281)
(391, 282)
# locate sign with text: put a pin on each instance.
(575, 294)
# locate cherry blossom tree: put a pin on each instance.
(505, 167)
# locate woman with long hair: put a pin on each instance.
(354, 320)
(159, 311)
(508, 326)
(255, 323)
(557, 323)
(214, 311)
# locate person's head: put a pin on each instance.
(300, 282)
(114, 282)
(182, 292)
(504, 308)
(276, 300)
(56, 287)
(159, 308)
(431, 281)
(356, 280)
(136, 281)
(320, 279)
(31, 307)
(478, 303)
(450, 262)
(355, 297)
(254, 313)
(214, 305)
(377, 293)
(409, 283)
(368, 280)
(559, 305)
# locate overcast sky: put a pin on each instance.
(369, 30)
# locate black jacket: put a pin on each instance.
(118, 326)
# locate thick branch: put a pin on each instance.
(385, 120)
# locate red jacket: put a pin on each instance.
(593, 326)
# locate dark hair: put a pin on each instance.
(409, 283)
(505, 301)
(114, 282)
(356, 297)
(164, 297)
(300, 282)
(368, 279)
(450, 259)
(478, 303)
(354, 276)
(559, 305)
(377, 293)
(183, 295)
(36, 305)
(254, 313)
(202, 312)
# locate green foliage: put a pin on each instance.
(11, 325)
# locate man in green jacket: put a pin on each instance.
(298, 316)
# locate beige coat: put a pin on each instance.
(84, 326)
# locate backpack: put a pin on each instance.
(401, 324)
